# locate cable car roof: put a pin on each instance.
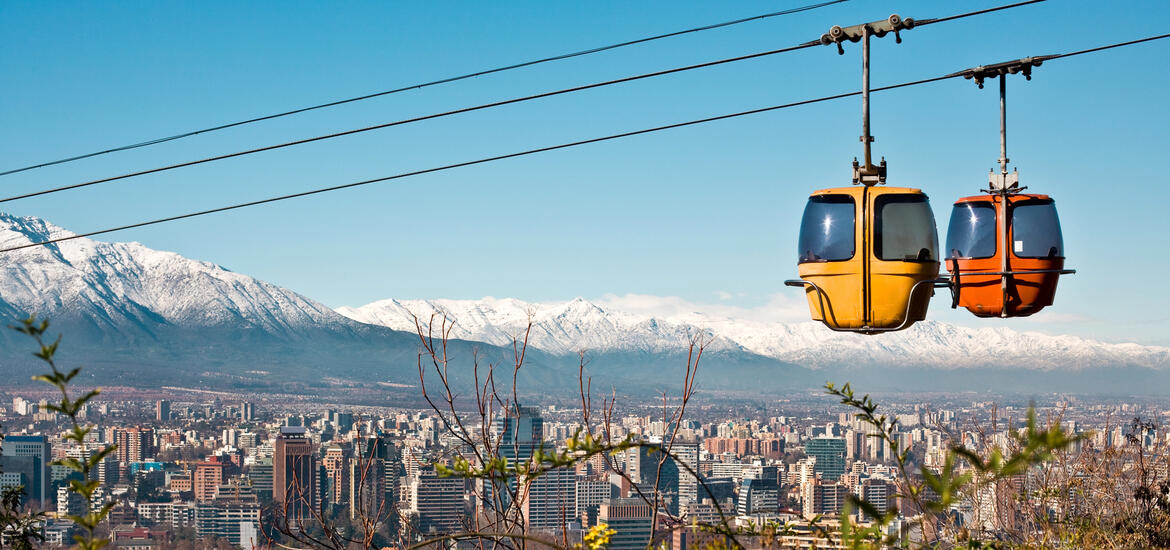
(1012, 198)
(856, 190)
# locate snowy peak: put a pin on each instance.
(124, 285)
(557, 327)
(568, 327)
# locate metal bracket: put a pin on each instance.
(894, 23)
(1004, 183)
(869, 175)
(983, 72)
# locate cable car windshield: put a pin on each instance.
(971, 233)
(826, 230)
(904, 229)
(1036, 230)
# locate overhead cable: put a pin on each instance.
(531, 152)
(494, 104)
(423, 85)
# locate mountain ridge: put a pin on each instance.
(137, 316)
(556, 325)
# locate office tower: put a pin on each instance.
(758, 496)
(229, 514)
(247, 412)
(162, 410)
(824, 497)
(206, 478)
(631, 518)
(590, 494)
(520, 433)
(294, 474)
(28, 456)
(549, 504)
(336, 473)
(437, 502)
(134, 444)
(830, 455)
(260, 474)
(687, 453)
(367, 487)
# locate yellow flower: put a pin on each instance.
(598, 536)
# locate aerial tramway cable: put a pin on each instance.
(532, 151)
(494, 104)
(447, 80)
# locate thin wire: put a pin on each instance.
(804, 45)
(471, 162)
(407, 121)
(425, 85)
(969, 14)
(1111, 46)
(531, 152)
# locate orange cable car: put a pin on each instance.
(868, 255)
(1005, 251)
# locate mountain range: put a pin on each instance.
(141, 317)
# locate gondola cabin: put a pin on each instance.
(1005, 253)
(867, 257)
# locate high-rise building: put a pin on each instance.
(590, 494)
(247, 412)
(229, 514)
(631, 518)
(294, 474)
(336, 463)
(687, 453)
(520, 433)
(260, 475)
(28, 455)
(549, 503)
(830, 455)
(206, 478)
(824, 497)
(367, 488)
(134, 444)
(437, 502)
(757, 495)
(162, 410)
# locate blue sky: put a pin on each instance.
(707, 214)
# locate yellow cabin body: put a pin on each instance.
(865, 250)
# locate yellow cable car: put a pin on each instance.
(868, 257)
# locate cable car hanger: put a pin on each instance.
(834, 272)
(1025, 291)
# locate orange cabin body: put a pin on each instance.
(1005, 253)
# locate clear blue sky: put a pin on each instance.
(695, 213)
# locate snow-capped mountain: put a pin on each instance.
(114, 285)
(566, 327)
(136, 316)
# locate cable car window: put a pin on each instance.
(971, 233)
(826, 230)
(904, 229)
(1036, 230)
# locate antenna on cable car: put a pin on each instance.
(867, 174)
(1010, 237)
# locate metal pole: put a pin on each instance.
(1003, 158)
(865, 96)
(1005, 206)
